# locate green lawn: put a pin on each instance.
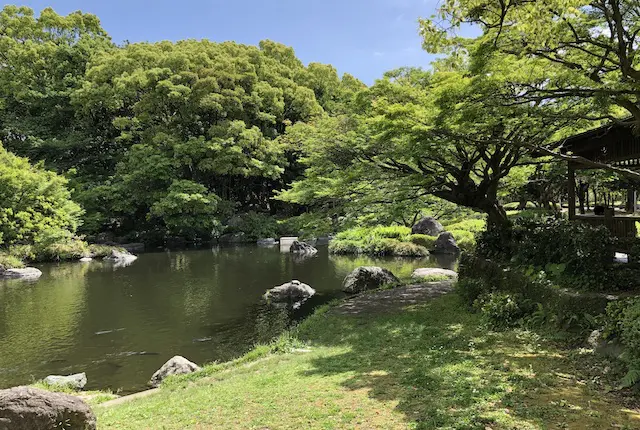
(427, 367)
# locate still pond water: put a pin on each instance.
(120, 324)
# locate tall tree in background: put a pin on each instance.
(44, 61)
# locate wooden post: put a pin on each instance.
(572, 190)
(631, 200)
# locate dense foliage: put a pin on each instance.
(35, 204)
(159, 139)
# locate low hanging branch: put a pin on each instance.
(585, 162)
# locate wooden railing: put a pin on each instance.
(622, 227)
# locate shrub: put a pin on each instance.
(470, 289)
(378, 241)
(62, 251)
(622, 321)
(584, 253)
(408, 249)
(33, 202)
(423, 240)
(470, 225)
(466, 240)
(255, 226)
(9, 261)
(501, 310)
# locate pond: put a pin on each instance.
(120, 324)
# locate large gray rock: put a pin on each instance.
(26, 273)
(120, 258)
(294, 291)
(77, 381)
(26, 408)
(298, 247)
(430, 272)
(177, 365)
(429, 226)
(367, 278)
(446, 244)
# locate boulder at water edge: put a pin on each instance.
(26, 408)
(176, 366)
(298, 247)
(430, 272)
(367, 278)
(446, 244)
(291, 292)
(26, 273)
(77, 381)
(429, 226)
(120, 256)
(268, 241)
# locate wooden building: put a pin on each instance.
(614, 144)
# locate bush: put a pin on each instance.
(470, 225)
(466, 240)
(501, 310)
(255, 226)
(470, 289)
(622, 322)
(33, 202)
(8, 261)
(582, 253)
(378, 241)
(423, 240)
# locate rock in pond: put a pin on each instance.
(446, 244)
(367, 278)
(429, 226)
(298, 247)
(86, 260)
(77, 381)
(121, 257)
(27, 408)
(269, 241)
(177, 365)
(428, 272)
(291, 292)
(26, 273)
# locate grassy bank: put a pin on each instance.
(426, 367)
(398, 240)
(18, 256)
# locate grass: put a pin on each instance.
(398, 240)
(378, 241)
(430, 366)
(93, 398)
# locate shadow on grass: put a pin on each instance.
(445, 371)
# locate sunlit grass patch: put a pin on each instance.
(429, 368)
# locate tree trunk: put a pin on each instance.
(496, 215)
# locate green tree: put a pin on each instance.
(44, 62)
(578, 55)
(420, 134)
(35, 203)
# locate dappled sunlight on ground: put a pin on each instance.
(444, 370)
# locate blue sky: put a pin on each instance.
(361, 37)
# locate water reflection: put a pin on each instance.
(121, 325)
